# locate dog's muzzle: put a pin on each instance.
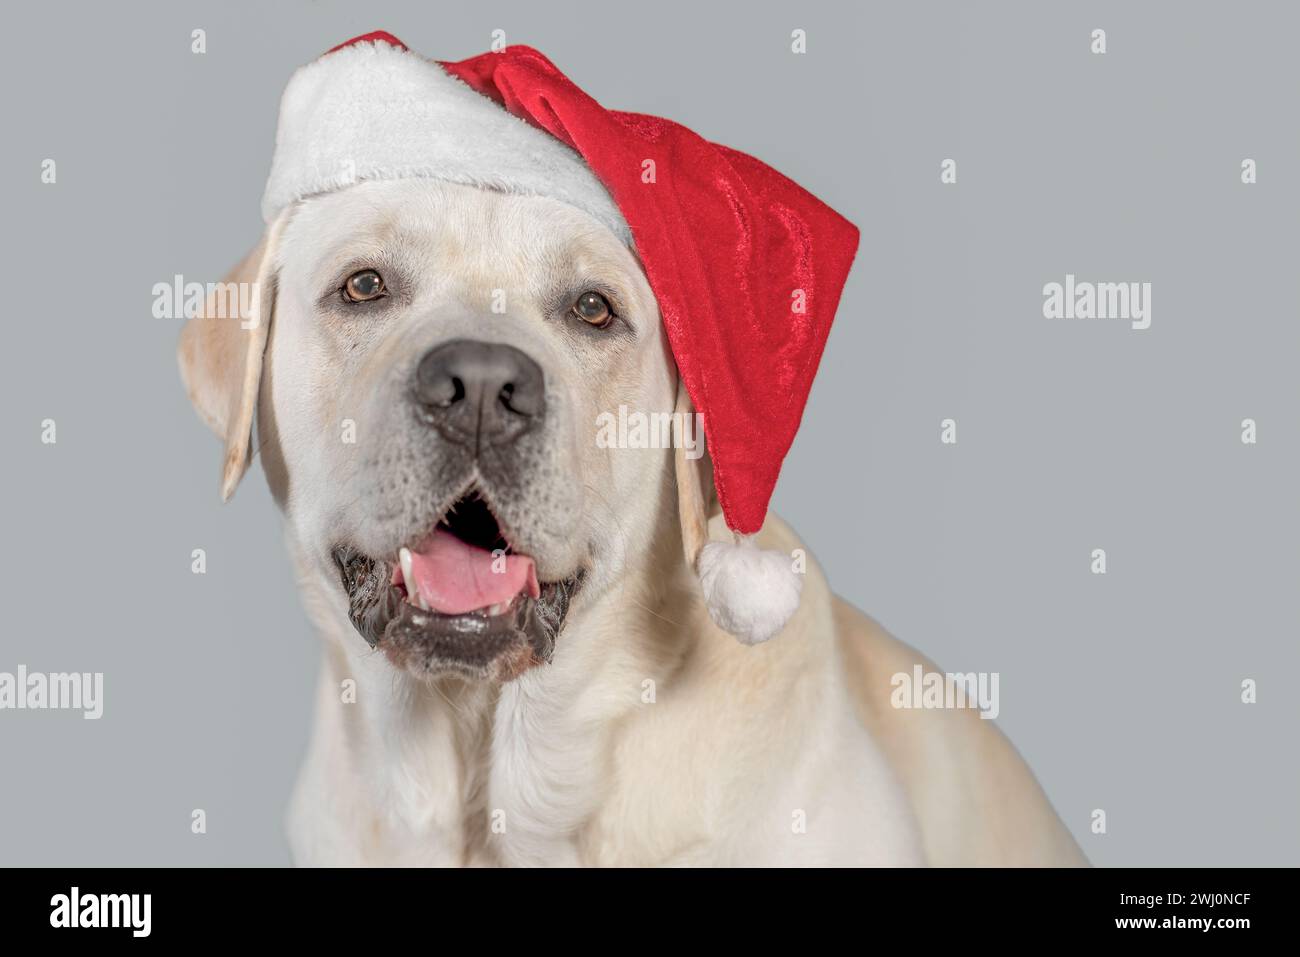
(477, 645)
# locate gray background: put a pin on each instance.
(1122, 691)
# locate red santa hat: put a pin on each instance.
(746, 266)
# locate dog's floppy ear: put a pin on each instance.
(696, 499)
(221, 351)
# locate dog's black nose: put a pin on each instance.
(479, 393)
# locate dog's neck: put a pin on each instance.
(451, 771)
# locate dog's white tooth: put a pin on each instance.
(412, 586)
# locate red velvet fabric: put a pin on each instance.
(732, 249)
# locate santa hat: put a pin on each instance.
(746, 266)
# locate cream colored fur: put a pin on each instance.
(653, 738)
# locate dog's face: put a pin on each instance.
(438, 361)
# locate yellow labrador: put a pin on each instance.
(519, 666)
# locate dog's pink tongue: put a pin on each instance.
(454, 577)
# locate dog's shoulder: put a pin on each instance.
(975, 798)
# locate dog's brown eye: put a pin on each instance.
(593, 308)
(363, 286)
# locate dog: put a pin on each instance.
(579, 705)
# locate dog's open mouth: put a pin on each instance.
(459, 600)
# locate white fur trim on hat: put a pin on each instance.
(372, 111)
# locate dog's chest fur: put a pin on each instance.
(627, 750)
(465, 774)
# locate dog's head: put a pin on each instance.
(469, 407)
(439, 362)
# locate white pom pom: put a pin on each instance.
(751, 593)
